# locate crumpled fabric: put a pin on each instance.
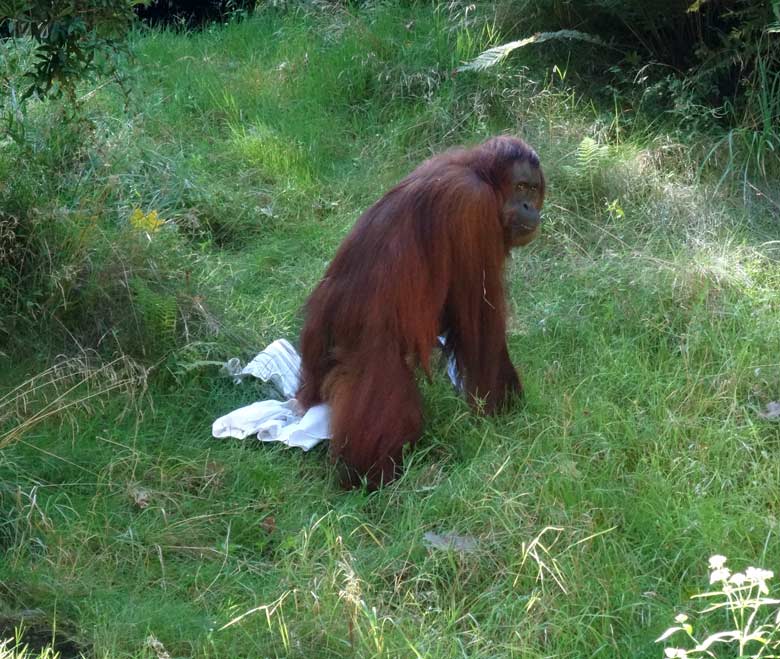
(274, 420)
(279, 364)
(283, 421)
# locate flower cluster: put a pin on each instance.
(149, 222)
(752, 577)
(743, 595)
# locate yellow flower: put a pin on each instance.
(145, 222)
(137, 218)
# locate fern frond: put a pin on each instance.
(493, 56)
(159, 311)
(590, 155)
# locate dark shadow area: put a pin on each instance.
(38, 634)
(192, 14)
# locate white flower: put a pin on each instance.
(671, 653)
(737, 578)
(757, 574)
(720, 574)
(717, 561)
(680, 618)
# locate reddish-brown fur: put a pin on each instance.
(425, 259)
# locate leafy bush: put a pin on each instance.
(704, 64)
(720, 38)
(71, 40)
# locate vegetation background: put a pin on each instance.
(170, 194)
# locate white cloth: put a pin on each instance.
(278, 421)
(452, 366)
(278, 364)
(274, 420)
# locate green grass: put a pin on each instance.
(645, 322)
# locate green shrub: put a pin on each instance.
(704, 65)
(70, 40)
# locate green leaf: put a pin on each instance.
(493, 56)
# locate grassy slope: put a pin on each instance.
(647, 332)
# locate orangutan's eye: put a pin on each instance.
(521, 187)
